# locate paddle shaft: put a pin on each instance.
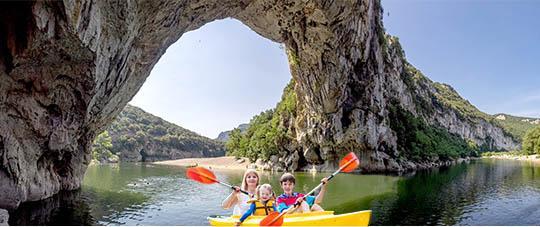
(232, 187)
(225, 184)
(330, 177)
(315, 189)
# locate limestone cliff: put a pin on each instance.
(366, 124)
(224, 136)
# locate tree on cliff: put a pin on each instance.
(265, 133)
(102, 148)
(531, 141)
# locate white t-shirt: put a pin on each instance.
(242, 205)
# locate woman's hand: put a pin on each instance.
(324, 181)
(236, 190)
(232, 199)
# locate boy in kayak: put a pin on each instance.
(263, 205)
(289, 198)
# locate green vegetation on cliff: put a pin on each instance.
(420, 141)
(265, 131)
(135, 132)
(102, 148)
(446, 97)
(516, 127)
(452, 99)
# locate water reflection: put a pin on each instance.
(481, 193)
(484, 192)
(65, 208)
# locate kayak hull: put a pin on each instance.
(323, 218)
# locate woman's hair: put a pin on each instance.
(267, 187)
(244, 180)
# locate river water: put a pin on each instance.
(482, 192)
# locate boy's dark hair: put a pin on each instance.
(287, 177)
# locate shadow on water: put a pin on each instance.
(65, 208)
(79, 207)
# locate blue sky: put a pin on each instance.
(222, 74)
(487, 50)
(215, 78)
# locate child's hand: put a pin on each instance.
(237, 223)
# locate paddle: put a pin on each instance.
(347, 164)
(205, 176)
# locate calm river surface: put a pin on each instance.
(483, 192)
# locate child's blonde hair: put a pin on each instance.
(267, 187)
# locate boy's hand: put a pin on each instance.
(299, 200)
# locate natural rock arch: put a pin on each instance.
(67, 68)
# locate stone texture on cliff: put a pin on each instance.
(67, 68)
(224, 136)
(4, 217)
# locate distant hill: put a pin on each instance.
(140, 136)
(517, 126)
(224, 136)
(514, 126)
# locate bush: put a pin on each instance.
(102, 147)
(531, 141)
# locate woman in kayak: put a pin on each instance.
(239, 201)
(263, 205)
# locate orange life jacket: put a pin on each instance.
(263, 209)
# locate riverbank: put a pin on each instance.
(512, 156)
(226, 162)
(231, 163)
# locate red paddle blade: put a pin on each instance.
(273, 219)
(201, 175)
(351, 161)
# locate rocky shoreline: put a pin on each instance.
(275, 164)
(379, 165)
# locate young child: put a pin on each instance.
(263, 205)
(289, 198)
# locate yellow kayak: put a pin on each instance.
(320, 218)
